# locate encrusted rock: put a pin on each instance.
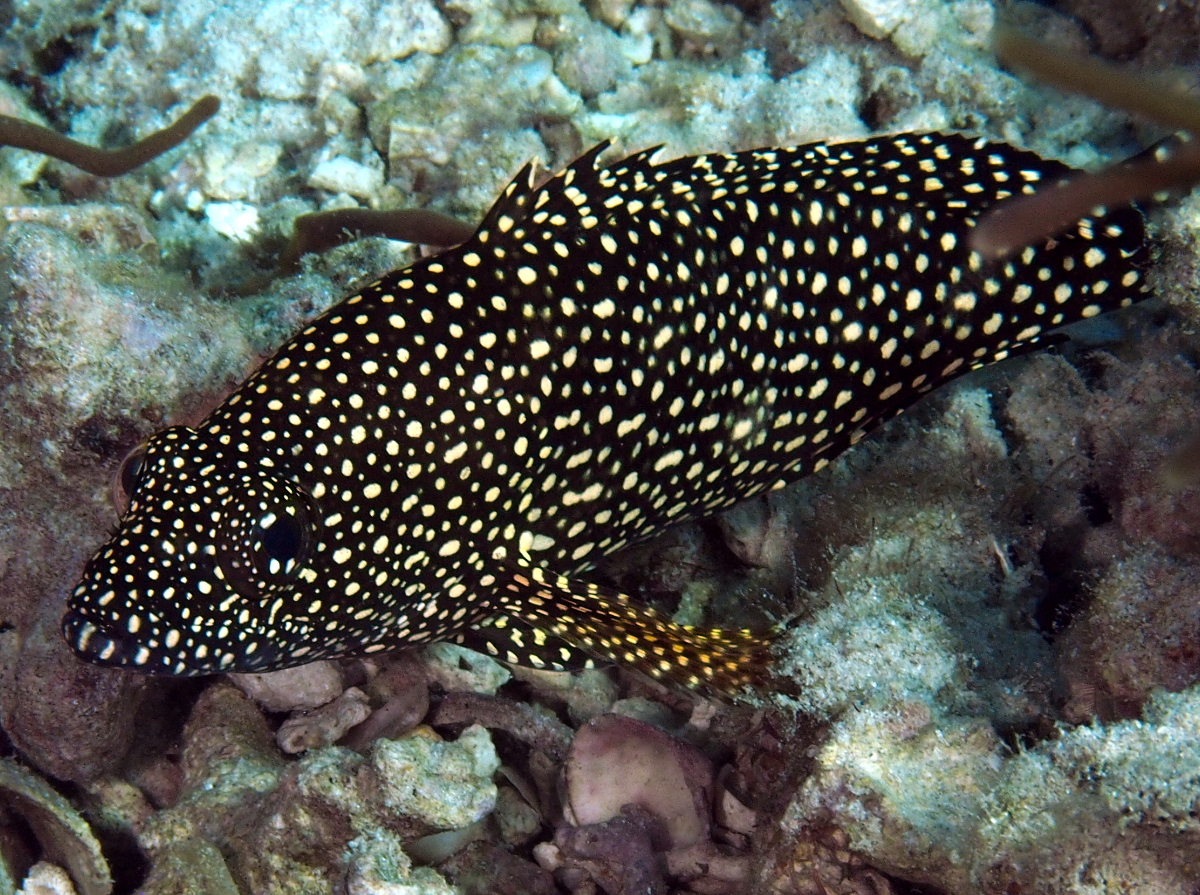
(517, 820)
(95, 334)
(189, 867)
(325, 725)
(585, 694)
(74, 721)
(710, 27)
(343, 175)
(229, 762)
(402, 689)
(379, 866)
(457, 668)
(64, 837)
(447, 785)
(621, 854)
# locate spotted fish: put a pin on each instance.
(445, 454)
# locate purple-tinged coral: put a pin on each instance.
(640, 805)
(615, 761)
(620, 855)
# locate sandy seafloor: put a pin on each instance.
(997, 632)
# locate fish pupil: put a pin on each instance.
(282, 538)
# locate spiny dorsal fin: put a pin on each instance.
(521, 196)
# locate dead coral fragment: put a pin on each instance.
(1040, 215)
(617, 761)
(106, 162)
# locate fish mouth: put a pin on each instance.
(101, 646)
(115, 648)
(104, 646)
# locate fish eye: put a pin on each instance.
(128, 475)
(266, 538)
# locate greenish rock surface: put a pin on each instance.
(379, 866)
(189, 867)
(448, 785)
(458, 668)
(300, 826)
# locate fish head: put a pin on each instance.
(205, 571)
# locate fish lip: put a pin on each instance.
(103, 646)
(98, 644)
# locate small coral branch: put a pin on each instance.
(22, 134)
(1034, 217)
(1147, 97)
(322, 230)
(316, 232)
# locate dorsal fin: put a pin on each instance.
(520, 197)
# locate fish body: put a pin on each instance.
(444, 454)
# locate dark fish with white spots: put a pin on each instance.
(445, 454)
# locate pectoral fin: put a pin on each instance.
(560, 623)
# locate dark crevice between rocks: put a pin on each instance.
(877, 110)
(1022, 736)
(755, 10)
(902, 887)
(1092, 366)
(1095, 506)
(1067, 584)
(998, 399)
(19, 847)
(54, 56)
(105, 438)
(126, 861)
